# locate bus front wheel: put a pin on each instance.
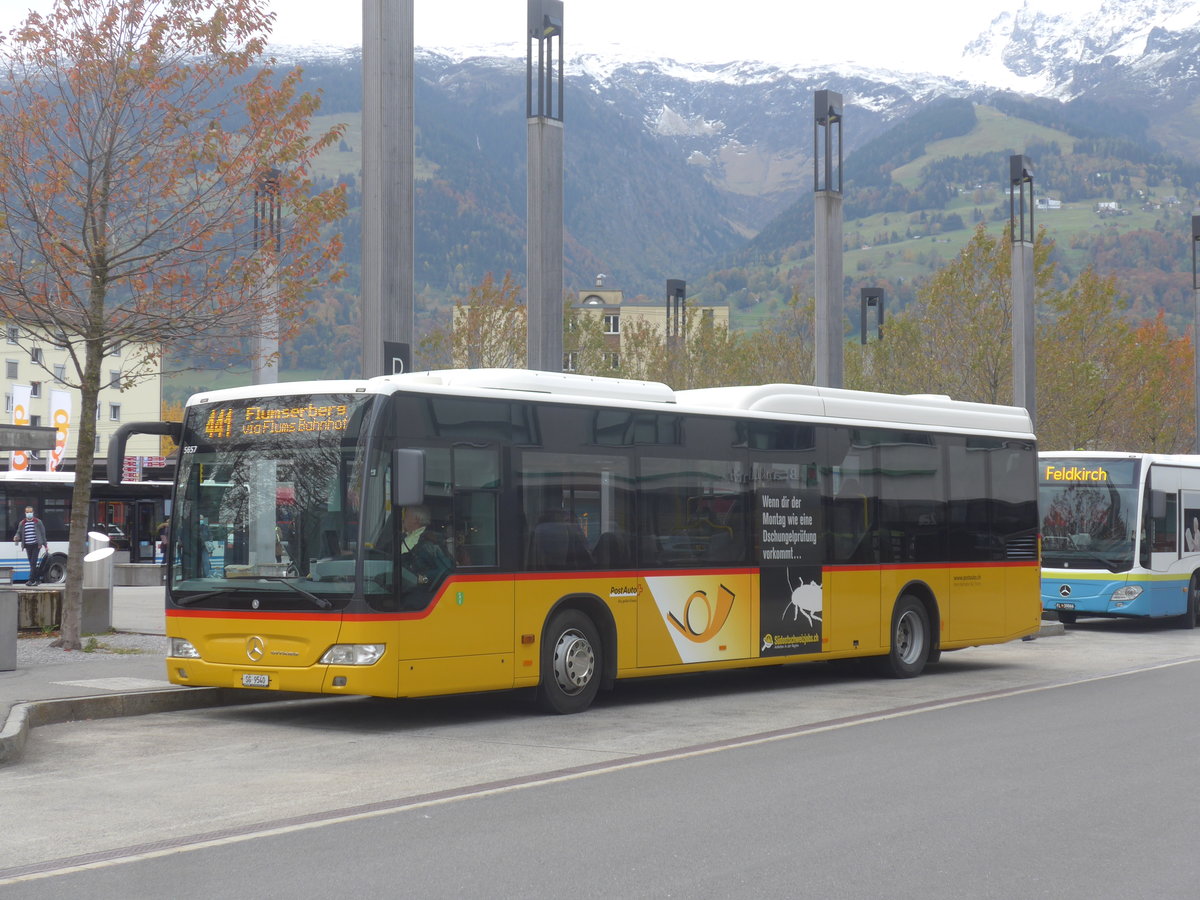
(1188, 619)
(911, 639)
(571, 655)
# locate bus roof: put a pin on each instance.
(769, 400)
(1189, 460)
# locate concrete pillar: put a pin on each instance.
(1022, 236)
(388, 134)
(544, 252)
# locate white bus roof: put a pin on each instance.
(769, 400)
(1189, 460)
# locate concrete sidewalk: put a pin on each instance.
(117, 674)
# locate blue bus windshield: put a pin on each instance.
(1088, 508)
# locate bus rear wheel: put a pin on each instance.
(911, 639)
(56, 570)
(571, 656)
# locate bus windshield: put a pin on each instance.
(1089, 512)
(268, 499)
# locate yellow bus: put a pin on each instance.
(475, 530)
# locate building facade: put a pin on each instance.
(609, 305)
(41, 369)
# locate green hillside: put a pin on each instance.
(913, 197)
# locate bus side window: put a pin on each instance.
(471, 530)
(1164, 534)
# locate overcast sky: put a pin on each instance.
(918, 35)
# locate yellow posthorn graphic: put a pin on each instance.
(714, 621)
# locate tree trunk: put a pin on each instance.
(81, 497)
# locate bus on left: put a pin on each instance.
(129, 513)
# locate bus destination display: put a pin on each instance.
(232, 422)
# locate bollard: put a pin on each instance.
(8, 630)
(97, 585)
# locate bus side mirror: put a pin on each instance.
(408, 477)
(1158, 504)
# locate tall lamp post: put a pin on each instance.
(827, 234)
(267, 234)
(1196, 322)
(544, 191)
(1020, 224)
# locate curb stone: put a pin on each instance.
(29, 714)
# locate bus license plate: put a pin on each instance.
(249, 680)
(1064, 605)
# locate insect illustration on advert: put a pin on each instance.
(806, 601)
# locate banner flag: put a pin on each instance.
(60, 418)
(21, 397)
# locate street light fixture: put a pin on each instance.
(871, 297)
(1020, 198)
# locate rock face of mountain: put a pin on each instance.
(1127, 48)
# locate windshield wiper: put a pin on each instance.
(196, 598)
(285, 580)
(1061, 560)
(241, 588)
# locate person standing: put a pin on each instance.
(163, 538)
(206, 548)
(31, 534)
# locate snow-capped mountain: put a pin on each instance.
(1063, 53)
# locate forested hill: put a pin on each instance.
(711, 181)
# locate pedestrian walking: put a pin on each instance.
(31, 534)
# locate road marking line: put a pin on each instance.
(137, 853)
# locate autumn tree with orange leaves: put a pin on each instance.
(133, 135)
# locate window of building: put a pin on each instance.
(8, 403)
(14, 333)
(114, 412)
(614, 360)
(35, 389)
(10, 368)
(35, 420)
(116, 350)
(36, 354)
(114, 379)
(60, 373)
(612, 323)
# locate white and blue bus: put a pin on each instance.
(129, 513)
(1120, 535)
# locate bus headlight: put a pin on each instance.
(1127, 594)
(184, 649)
(353, 654)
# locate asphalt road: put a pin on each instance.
(1031, 769)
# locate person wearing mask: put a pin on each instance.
(31, 534)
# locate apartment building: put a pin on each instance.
(41, 368)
